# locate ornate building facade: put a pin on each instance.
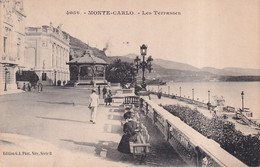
(47, 53)
(12, 42)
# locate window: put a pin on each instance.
(5, 44)
(44, 76)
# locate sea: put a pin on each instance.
(229, 91)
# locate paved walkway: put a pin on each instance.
(49, 123)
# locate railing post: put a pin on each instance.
(146, 108)
(168, 131)
(141, 103)
(154, 116)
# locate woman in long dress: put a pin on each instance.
(130, 135)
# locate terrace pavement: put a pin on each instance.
(52, 128)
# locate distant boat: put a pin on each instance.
(214, 80)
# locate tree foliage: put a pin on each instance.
(120, 72)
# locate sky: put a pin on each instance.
(207, 33)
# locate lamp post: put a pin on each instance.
(144, 64)
(6, 72)
(180, 91)
(208, 96)
(208, 104)
(242, 96)
(192, 93)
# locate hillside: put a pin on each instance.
(173, 71)
(166, 74)
(167, 64)
(175, 65)
(78, 47)
(163, 63)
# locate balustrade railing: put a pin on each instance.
(193, 147)
(91, 78)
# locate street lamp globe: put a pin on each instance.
(242, 93)
(143, 50)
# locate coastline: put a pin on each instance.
(231, 92)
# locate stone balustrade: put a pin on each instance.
(193, 147)
(48, 30)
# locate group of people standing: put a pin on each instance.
(107, 94)
(29, 87)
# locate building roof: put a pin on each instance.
(87, 58)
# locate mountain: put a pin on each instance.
(167, 64)
(174, 72)
(175, 65)
(163, 63)
(169, 70)
(229, 71)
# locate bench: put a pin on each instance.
(131, 100)
(141, 146)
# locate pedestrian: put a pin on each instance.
(24, 87)
(98, 89)
(29, 86)
(108, 98)
(93, 104)
(38, 86)
(41, 87)
(104, 92)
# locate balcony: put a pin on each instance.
(9, 60)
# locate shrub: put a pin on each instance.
(245, 148)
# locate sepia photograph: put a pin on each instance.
(125, 83)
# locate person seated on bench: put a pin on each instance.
(130, 134)
(136, 116)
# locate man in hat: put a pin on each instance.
(93, 104)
